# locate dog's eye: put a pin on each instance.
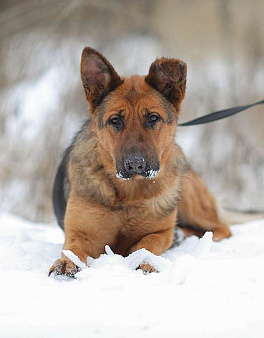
(152, 118)
(116, 121)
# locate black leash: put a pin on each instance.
(218, 115)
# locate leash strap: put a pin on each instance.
(218, 115)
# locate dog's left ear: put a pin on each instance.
(98, 76)
(168, 76)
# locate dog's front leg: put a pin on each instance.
(156, 243)
(88, 228)
(76, 240)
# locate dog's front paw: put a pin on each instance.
(221, 233)
(147, 268)
(64, 267)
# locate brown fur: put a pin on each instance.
(138, 213)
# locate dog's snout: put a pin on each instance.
(135, 163)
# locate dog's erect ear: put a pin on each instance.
(168, 76)
(98, 76)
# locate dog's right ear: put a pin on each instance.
(98, 76)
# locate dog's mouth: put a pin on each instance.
(148, 174)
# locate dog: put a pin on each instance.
(123, 181)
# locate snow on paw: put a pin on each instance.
(64, 267)
(147, 268)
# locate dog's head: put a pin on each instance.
(134, 118)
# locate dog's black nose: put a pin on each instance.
(135, 163)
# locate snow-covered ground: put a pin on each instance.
(204, 289)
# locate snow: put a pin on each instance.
(119, 175)
(204, 289)
(152, 173)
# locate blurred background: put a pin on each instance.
(42, 102)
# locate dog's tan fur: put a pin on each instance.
(138, 213)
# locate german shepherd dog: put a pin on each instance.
(123, 181)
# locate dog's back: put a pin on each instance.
(58, 198)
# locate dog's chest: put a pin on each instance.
(138, 222)
(147, 215)
(156, 206)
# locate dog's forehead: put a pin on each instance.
(135, 84)
(135, 91)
